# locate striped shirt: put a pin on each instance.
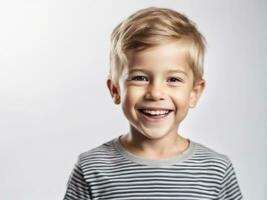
(111, 172)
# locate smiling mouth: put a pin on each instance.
(155, 112)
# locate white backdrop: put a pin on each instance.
(54, 103)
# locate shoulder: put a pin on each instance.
(209, 157)
(98, 156)
(220, 168)
(103, 150)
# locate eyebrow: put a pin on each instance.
(138, 70)
(172, 71)
(177, 71)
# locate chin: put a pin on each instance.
(154, 135)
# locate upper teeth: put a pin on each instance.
(156, 112)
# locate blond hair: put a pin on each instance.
(150, 27)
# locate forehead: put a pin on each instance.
(164, 57)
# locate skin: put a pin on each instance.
(157, 78)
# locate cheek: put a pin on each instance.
(181, 100)
(181, 103)
(133, 93)
(130, 97)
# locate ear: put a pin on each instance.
(196, 93)
(114, 91)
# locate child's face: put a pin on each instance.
(156, 90)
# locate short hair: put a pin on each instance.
(150, 27)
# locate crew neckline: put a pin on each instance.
(162, 162)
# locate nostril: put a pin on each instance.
(154, 97)
(155, 94)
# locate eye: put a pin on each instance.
(174, 79)
(139, 78)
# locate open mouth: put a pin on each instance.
(155, 113)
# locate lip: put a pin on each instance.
(156, 118)
(154, 108)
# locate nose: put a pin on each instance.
(155, 92)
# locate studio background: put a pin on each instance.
(54, 103)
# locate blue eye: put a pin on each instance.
(139, 78)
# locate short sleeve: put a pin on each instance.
(77, 187)
(230, 189)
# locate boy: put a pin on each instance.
(156, 74)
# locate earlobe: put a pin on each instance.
(114, 91)
(196, 93)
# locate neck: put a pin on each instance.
(160, 148)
